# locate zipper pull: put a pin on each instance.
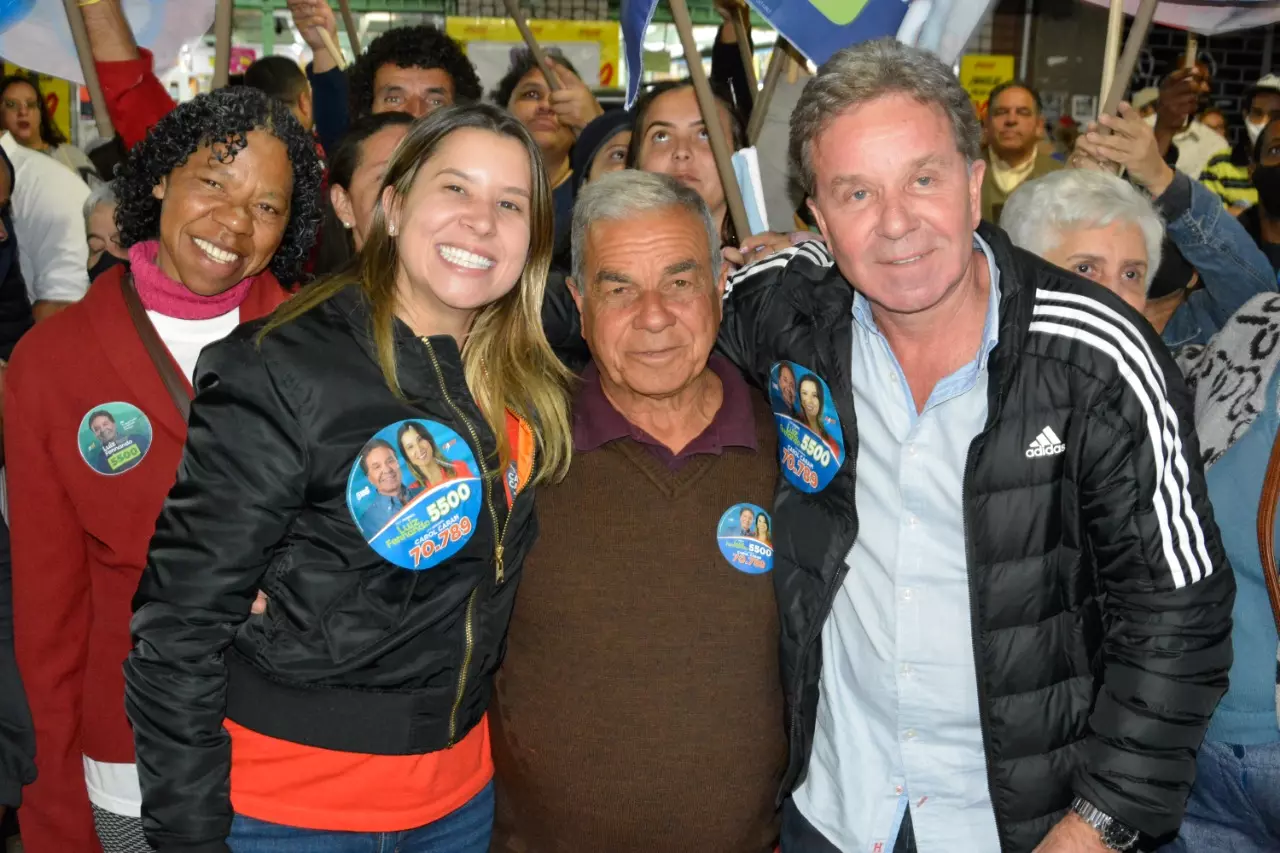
(497, 556)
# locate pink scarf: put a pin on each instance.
(165, 296)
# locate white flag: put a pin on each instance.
(36, 35)
(1209, 17)
(943, 26)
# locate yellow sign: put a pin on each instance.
(591, 46)
(57, 94)
(980, 73)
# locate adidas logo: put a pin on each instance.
(1047, 443)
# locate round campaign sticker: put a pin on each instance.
(745, 535)
(415, 494)
(810, 442)
(114, 437)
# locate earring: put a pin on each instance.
(346, 225)
(391, 229)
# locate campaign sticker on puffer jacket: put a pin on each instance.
(114, 437)
(745, 535)
(810, 441)
(415, 494)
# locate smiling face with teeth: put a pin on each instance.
(897, 204)
(220, 222)
(462, 230)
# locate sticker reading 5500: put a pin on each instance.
(414, 493)
(745, 538)
(114, 437)
(810, 441)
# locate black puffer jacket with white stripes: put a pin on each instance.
(1100, 595)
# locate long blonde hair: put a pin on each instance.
(506, 357)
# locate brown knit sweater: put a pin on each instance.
(639, 706)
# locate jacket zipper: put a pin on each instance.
(498, 530)
(973, 627)
(469, 629)
(466, 664)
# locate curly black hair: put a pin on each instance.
(49, 133)
(522, 62)
(222, 119)
(422, 46)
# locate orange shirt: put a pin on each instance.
(311, 788)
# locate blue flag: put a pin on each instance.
(818, 28)
(634, 17)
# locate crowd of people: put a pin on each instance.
(449, 475)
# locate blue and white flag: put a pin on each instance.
(818, 28)
(943, 27)
(34, 33)
(634, 17)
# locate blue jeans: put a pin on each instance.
(465, 830)
(1235, 802)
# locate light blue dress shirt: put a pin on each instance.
(898, 716)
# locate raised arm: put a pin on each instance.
(136, 99)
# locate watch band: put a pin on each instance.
(1114, 834)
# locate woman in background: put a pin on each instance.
(356, 168)
(25, 114)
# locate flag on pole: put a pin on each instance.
(634, 17)
(1209, 17)
(34, 33)
(944, 27)
(818, 28)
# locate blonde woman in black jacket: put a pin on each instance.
(354, 707)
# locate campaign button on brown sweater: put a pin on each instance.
(639, 706)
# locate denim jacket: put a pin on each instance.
(1231, 265)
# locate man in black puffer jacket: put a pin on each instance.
(1011, 634)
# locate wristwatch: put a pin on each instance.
(1114, 834)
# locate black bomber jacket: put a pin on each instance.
(355, 652)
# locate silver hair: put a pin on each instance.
(867, 72)
(102, 194)
(1039, 211)
(619, 195)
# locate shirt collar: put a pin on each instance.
(596, 422)
(991, 326)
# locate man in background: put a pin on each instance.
(1015, 127)
(413, 70)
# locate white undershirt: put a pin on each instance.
(115, 787)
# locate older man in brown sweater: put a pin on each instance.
(639, 706)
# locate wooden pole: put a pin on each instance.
(1129, 57)
(222, 19)
(1111, 53)
(353, 34)
(334, 50)
(779, 59)
(539, 56)
(720, 145)
(740, 18)
(84, 51)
